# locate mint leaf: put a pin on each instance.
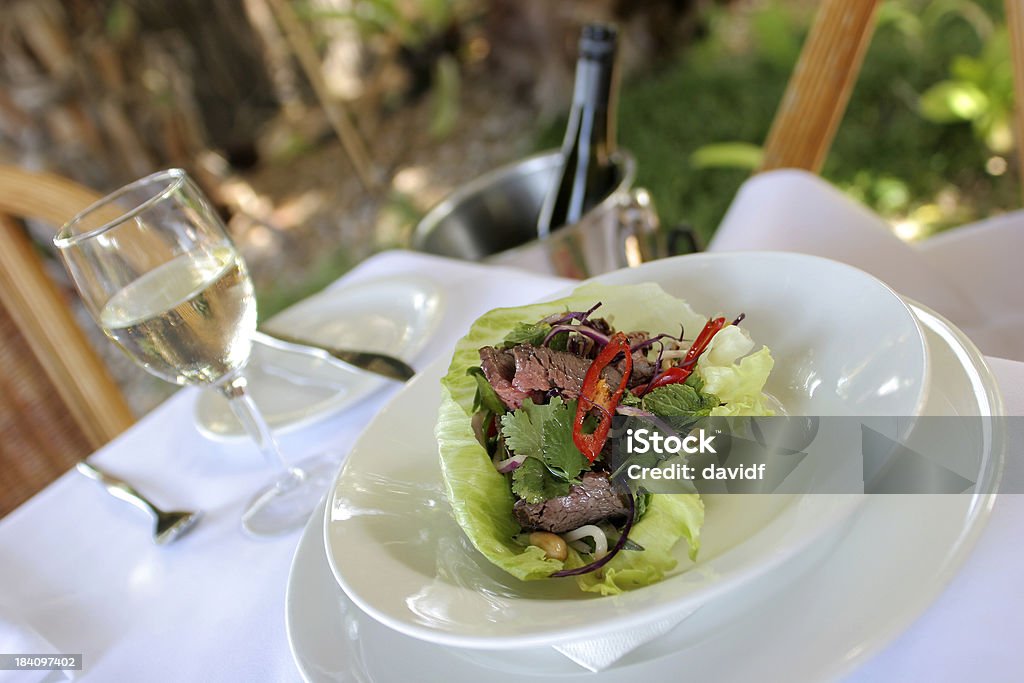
(524, 333)
(643, 501)
(679, 399)
(559, 451)
(695, 381)
(486, 398)
(630, 400)
(534, 483)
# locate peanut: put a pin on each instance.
(552, 544)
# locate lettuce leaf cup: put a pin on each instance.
(511, 451)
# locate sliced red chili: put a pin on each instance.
(680, 373)
(673, 375)
(712, 328)
(597, 393)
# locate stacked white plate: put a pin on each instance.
(776, 573)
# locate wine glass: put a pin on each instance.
(159, 274)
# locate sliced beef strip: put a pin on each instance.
(643, 370)
(499, 368)
(635, 338)
(527, 371)
(592, 500)
(541, 369)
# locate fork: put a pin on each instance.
(168, 526)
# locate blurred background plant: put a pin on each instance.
(926, 140)
(435, 92)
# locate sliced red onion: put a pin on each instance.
(653, 340)
(597, 564)
(508, 464)
(585, 330)
(630, 411)
(559, 318)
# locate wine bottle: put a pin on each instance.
(588, 174)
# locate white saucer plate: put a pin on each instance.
(862, 591)
(395, 316)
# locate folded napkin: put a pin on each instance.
(18, 637)
(597, 654)
(967, 274)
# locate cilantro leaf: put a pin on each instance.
(679, 399)
(695, 381)
(524, 429)
(534, 483)
(543, 433)
(486, 398)
(559, 451)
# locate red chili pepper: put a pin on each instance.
(597, 393)
(681, 372)
(673, 375)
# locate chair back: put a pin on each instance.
(59, 401)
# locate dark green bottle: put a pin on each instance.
(588, 174)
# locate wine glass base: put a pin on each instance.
(286, 504)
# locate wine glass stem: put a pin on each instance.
(245, 409)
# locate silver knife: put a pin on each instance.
(378, 363)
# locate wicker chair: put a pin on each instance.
(59, 402)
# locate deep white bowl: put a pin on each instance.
(844, 344)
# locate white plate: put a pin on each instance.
(416, 572)
(395, 316)
(848, 608)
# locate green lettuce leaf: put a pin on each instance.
(668, 518)
(740, 385)
(480, 496)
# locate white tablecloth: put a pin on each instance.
(79, 566)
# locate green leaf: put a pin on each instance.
(486, 398)
(525, 333)
(728, 155)
(952, 101)
(534, 483)
(679, 399)
(695, 381)
(560, 453)
(524, 429)
(630, 400)
(544, 433)
(643, 500)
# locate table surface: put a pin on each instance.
(79, 566)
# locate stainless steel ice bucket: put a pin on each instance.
(494, 219)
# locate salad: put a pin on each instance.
(526, 411)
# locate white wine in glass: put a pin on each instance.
(159, 274)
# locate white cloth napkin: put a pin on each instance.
(597, 654)
(968, 274)
(18, 637)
